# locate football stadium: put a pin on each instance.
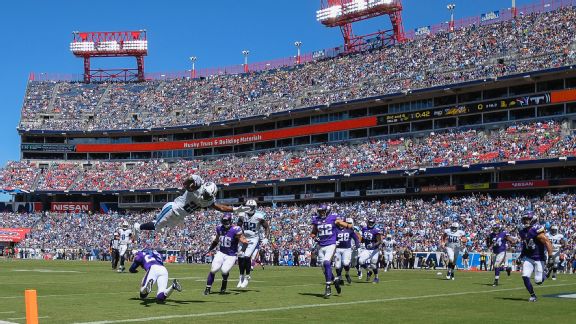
(417, 173)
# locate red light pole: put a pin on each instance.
(193, 71)
(245, 53)
(451, 8)
(298, 44)
(514, 12)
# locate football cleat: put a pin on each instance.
(327, 291)
(368, 275)
(508, 271)
(223, 291)
(348, 279)
(176, 285)
(207, 291)
(240, 282)
(532, 299)
(245, 282)
(149, 286)
(376, 280)
(359, 275)
(553, 277)
(495, 284)
(337, 286)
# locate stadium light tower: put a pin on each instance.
(193, 60)
(298, 44)
(451, 8)
(245, 53)
(514, 8)
(342, 13)
(111, 44)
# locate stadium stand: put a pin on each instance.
(530, 43)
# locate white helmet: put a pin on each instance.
(197, 180)
(209, 190)
(125, 225)
(350, 221)
(388, 237)
(454, 227)
(252, 204)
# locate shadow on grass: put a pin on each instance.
(312, 294)
(512, 299)
(244, 290)
(151, 301)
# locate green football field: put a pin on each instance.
(79, 292)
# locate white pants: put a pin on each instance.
(252, 248)
(159, 275)
(556, 257)
(529, 266)
(499, 259)
(326, 253)
(343, 258)
(122, 249)
(370, 257)
(388, 256)
(167, 217)
(222, 262)
(452, 253)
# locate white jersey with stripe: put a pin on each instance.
(454, 238)
(252, 225)
(124, 236)
(556, 241)
(389, 245)
(190, 202)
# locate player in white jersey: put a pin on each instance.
(125, 238)
(451, 240)
(252, 223)
(389, 245)
(197, 195)
(558, 243)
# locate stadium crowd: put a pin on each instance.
(456, 147)
(531, 42)
(415, 224)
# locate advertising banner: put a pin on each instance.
(13, 234)
(280, 198)
(490, 15)
(382, 192)
(475, 186)
(523, 184)
(70, 207)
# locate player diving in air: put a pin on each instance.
(343, 256)
(451, 239)
(535, 244)
(252, 223)
(498, 240)
(197, 195)
(151, 261)
(228, 237)
(324, 231)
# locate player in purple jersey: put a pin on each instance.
(369, 257)
(343, 256)
(151, 261)
(228, 237)
(324, 231)
(498, 240)
(535, 244)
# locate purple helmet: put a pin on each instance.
(226, 220)
(323, 210)
(529, 219)
(371, 222)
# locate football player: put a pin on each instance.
(251, 222)
(228, 237)
(389, 245)
(151, 261)
(451, 240)
(197, 195)
(498, 240)
(535, 244)
(343, 255)
(324, 231)
(558, 243)
(372, 239)
(125, 238)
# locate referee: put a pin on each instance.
(114, 253)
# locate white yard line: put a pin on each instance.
(276, 309)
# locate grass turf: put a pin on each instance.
(71, 292)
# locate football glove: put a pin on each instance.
(264, 241)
